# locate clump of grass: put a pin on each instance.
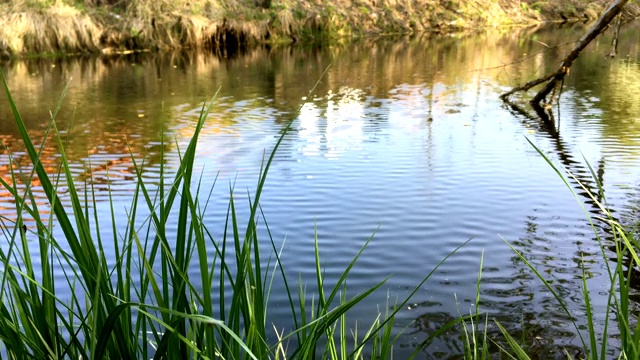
(144, 302)
(620, 274)
(596, 344)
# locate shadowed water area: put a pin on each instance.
(403, 137)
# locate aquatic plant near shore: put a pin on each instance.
(598, 341)
(144, 303)
(625, 250)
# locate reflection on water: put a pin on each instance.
(403, 134)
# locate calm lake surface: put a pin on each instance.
(405, 138)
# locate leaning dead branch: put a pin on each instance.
(553, 81)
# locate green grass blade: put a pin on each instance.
(519, 352)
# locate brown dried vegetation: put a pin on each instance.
(108, 26)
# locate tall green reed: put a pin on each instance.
(143, 302)
(596, 343)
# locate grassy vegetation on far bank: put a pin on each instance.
(94, 26)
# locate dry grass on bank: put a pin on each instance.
(58, 28)
(168, 24)
(40, 26)
(47, 26)
(178, 31)
(68, 26)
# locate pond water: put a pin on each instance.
(405, 138)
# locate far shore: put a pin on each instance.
(37, 27)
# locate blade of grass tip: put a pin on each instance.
(319, 277)
(269, 274)
(257, 285)
(475, 325)
(388, 342)
(550, 163)
(515, 347)
(587, 303)
(82, 223)
(303, 310)
(553, 292)
(203, 262)
(612, 276)
(278, 264)
(182, 247)
(624, 313)
(376, 344)
(263, 173)
(21, 202)
(324, 302)
(568, 185)
(610, 302)
(503, 351)
(160, 242)
(418, 287)
(327, 320)
(477, 305)
(485, 344)
(240, 311)
(343, 327)
(468, 348)
(222, 312)
(44, 316)
(473, 334)
(123, 267)
(90, 261)
(47, 272)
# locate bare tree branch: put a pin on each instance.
(595, 30)
(554, 79)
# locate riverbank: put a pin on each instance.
(32, 27)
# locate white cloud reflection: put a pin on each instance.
(338, 128)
